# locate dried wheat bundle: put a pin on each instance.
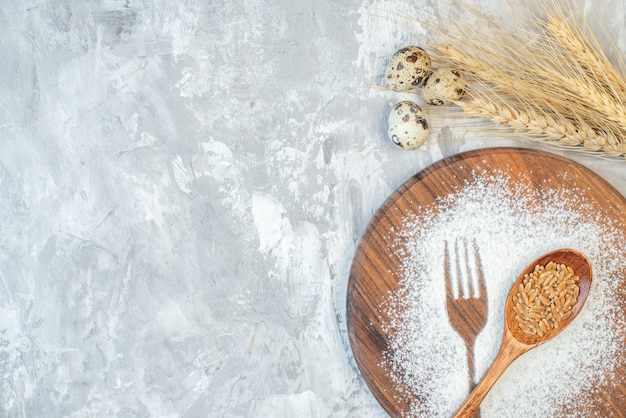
(546, 77)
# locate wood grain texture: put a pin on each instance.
(375, 269)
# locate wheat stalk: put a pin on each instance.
(547, 79)
(545, 127)
(584, 47)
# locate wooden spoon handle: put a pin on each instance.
(509, 351)
(472, 402)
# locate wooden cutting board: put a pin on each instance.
(373, 272)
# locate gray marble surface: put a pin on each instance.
(183, 183)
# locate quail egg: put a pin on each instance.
(407, 127)
(444, 85)
(408, 68)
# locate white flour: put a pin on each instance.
(429, 357)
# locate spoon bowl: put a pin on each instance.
(515, 341)
(582, 268)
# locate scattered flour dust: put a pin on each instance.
(429, 358)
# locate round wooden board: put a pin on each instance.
(373, 274)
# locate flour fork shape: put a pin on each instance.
(466, 297)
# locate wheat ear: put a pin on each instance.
(544, 127)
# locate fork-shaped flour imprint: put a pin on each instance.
(466, 296)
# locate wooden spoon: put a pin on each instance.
(515, 342)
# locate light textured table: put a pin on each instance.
(183, 183)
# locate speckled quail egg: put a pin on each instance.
(443, 86)
(407, 127)
(408, 68)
